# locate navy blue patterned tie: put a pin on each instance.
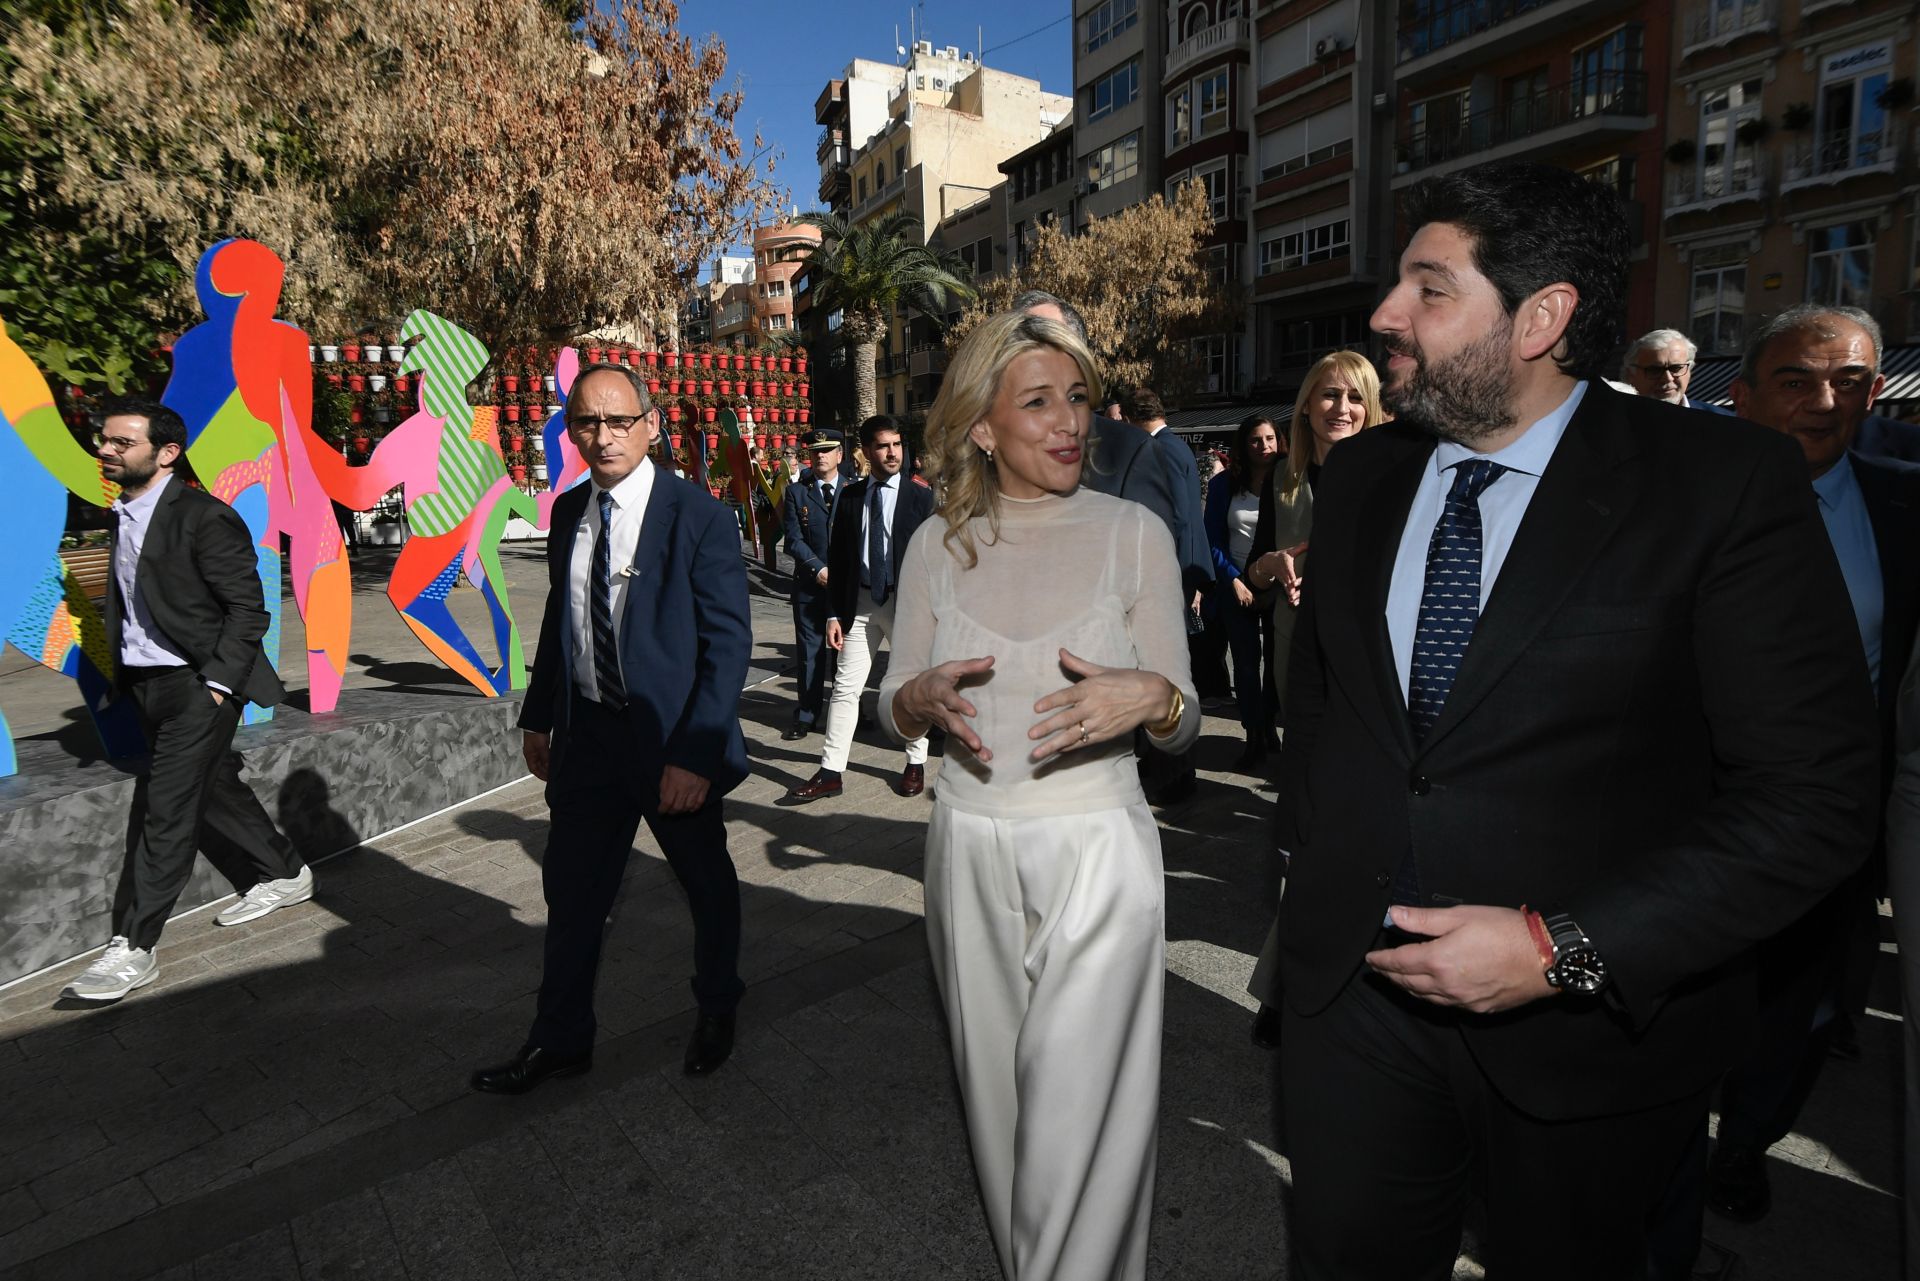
(606, 651)
(1449, 608)
(877, 546)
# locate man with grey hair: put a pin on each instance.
(1659, 365)
(1812, 373)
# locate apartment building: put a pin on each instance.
(1042, 186)
(850, 110)
(949, 123)
(1118, 51)
(1323, 235)
(1577, 83)
(1791, 175)
(1206, 103)
(778, 251)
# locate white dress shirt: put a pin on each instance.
(142, 644)
(629, 508)
(889, 497)
(1502, 505)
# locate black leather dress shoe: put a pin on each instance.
(711, 1044)
(1737, 1186)
(913, 780)
(824, 783)
(529, 1067)
(794, 733)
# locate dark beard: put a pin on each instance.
(1466, 398)
(132, 477)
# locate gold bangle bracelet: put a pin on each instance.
(1164, 727)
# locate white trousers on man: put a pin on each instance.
(1048, 939)
(871, 625)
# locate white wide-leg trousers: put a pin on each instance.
(1048, 938)
(870, 626)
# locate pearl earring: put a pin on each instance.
(989, 454)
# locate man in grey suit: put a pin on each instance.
(1659, 365)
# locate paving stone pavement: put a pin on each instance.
(290, 1099)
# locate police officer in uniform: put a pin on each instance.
(809, 518)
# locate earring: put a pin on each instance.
(989, 454)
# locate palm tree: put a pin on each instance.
(864, 271)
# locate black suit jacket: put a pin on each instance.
(200, 577)
(911, 506)
(1890, 438)
(808, 518)
(1659, 727)
(1892, 493)
(1122, 461)
(685, 635)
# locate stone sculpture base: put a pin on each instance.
(385, 758)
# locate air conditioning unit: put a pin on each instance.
(1329, 47)
(1085, 187)
(924, 46)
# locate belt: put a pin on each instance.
(135, 675)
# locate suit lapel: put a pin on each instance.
(1582, 498)
(1382, 517)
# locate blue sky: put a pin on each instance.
(782, 55)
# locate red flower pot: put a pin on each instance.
(673, 360)
(519, 473)
(356, 382)
(754, 361)
(653, 359)
(802, 393)
(596, 355)
(673, 413)
(805, 415)
(653, 386)
(673, 386)
(362, 443)
(676, 442)
(725, 386)
(513, 413)
(759, 388)
(350, 352)
(511, 381)
(335, 380)
(706, 360)
(760, 441)
(516, 442)
(706, 386)
(786, 364)
(709, 414)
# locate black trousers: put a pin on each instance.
(1391, 1125)
(597, 808)
(810, 640)
(189, 798)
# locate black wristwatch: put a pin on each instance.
(1577, 966)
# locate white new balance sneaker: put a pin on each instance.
(267, 896)
(119, 970)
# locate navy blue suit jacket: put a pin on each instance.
(809, 523)
(684, 636)
(1189, 534)
(911, 507)
(1122, 462)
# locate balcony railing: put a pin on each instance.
(1613, 93)
(880, 197)
(1230, 34)
(1741, 178)
(1427, 26)
(1837, 156)
(1718, 22)
(831, 140)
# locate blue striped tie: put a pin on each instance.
(1449, 608)
(606, 651)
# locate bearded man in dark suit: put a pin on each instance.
(1576, 720)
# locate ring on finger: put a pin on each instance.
(1083, 733)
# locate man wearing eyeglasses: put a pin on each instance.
(1659, 365)
(185, 618)
(631, 713)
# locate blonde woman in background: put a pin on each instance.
(1339, 397)
(1040, 624)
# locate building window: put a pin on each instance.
(1215, 179)
(1300, 342)
(1840, 265)
(1615, 174)
(1110, 20)
(1851, 123)
(899, 160)
(1300, 143)
(1437, 128)
(1294, 48)
(1528, 103)
(1606, 74)
(1114, 90)
(1719, 307)
(1115, 162)
(1726, 163)
(1300, 245)
(879, 174)
(1210, 354)
(778, 320)
(860, 192)
(1212, 95)
(1180, 118)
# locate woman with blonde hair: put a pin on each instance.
(1339, 396)
(1040, 624)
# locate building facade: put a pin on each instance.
(1791, 172)
(778, 251)
(1118, 53)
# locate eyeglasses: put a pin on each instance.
(118, 444)
(1671, 371)
(619, 427)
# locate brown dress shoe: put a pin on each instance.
(913, 780)
(824, 783)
